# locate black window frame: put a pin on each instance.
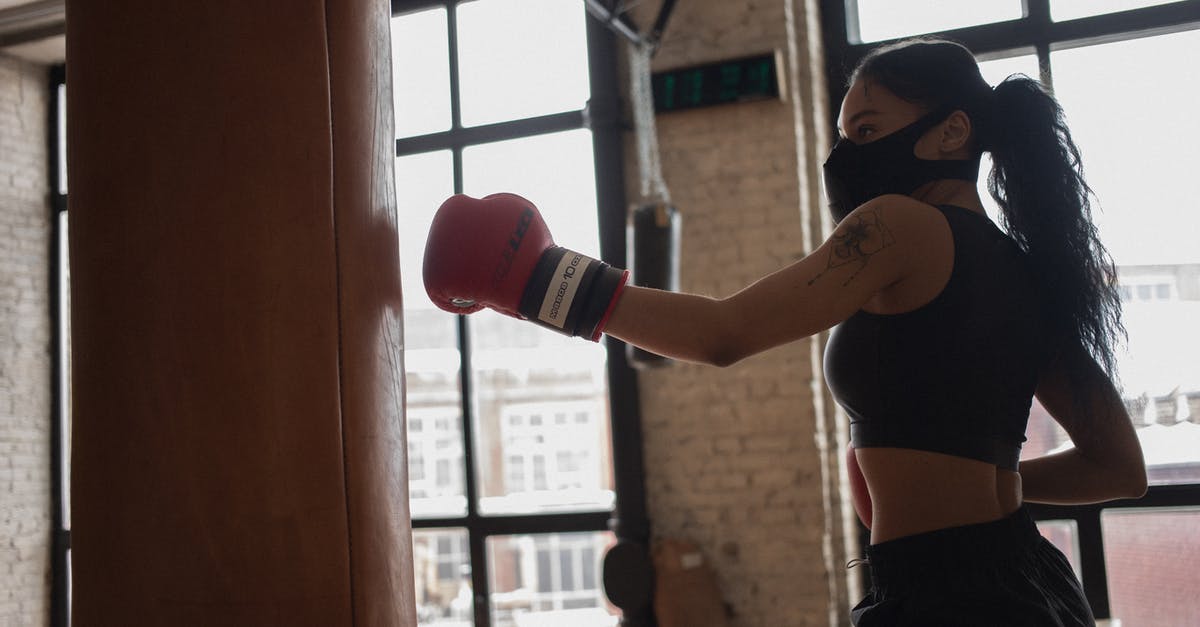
(602, 115)
(60, 541)
(1035, 32)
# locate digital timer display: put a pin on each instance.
(737, 80)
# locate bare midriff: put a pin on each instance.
(915, 491)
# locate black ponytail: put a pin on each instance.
(1037, 180)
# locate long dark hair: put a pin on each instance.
(1036, 179)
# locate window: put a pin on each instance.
(549, 573)
(890, 19)
(60, 313)
(510, 468)
(442, 576)
(564, 471)
(1105, 62)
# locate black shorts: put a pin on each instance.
(1001, 573)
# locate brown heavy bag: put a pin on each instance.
(238, 439)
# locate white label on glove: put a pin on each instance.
(561, 291)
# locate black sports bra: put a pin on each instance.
(956, 375)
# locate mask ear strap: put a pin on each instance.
(933, 118)
(964, 169)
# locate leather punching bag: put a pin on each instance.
(238, 438)
(653, 243)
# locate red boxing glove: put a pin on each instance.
(496, 252)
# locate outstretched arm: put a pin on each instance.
(497, 252)
(879, 244)
(1106, 462)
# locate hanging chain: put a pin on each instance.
(654, 188)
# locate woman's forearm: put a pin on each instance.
(1070, 478)
(688, 327)
(1106, 461)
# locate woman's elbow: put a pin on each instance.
(1127, 480)
(730, 345)
(1136, 482)
(723, 341)
(723, 356)
(1135, 474)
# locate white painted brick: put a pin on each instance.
(24, 347)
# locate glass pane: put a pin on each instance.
(994, 71)
(431, 359)
(1043, 434)
(549, 580)
(62, 138)
(421, 73)
(521, 58)
(69, 586)
(1071, 9)
(540, 398)
(1063, 534)
(64, 355)
(1144, 180)
(1151, 558)
(888, 19)
(555, 171)
(442, 563)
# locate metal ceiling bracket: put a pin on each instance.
(615, 15)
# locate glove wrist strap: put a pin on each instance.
(570, 292)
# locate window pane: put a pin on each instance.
(994, 71)
(1144, 180)
(1071, 9)
(431, 360)
(442, 563)
(521, 58)
(555, 171)
(1151, 558)
(549, 580)
(1042, 434)
(64, 355)
(421, 73)
(524, 375)
(888, 19)
(1063, 534)
(61, 121)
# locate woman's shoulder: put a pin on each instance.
(921, 230)
(905, 213)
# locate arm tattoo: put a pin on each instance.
(855, 241)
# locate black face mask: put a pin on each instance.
(856, 173)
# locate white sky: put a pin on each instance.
(517, 59)
(887, 19)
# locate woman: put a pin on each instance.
(947, 327)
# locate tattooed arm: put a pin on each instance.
(882, 243)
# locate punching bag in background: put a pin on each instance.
(653, 232)
(238, 448)
(653, 244)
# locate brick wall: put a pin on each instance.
(745, 460)
(24, 347)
